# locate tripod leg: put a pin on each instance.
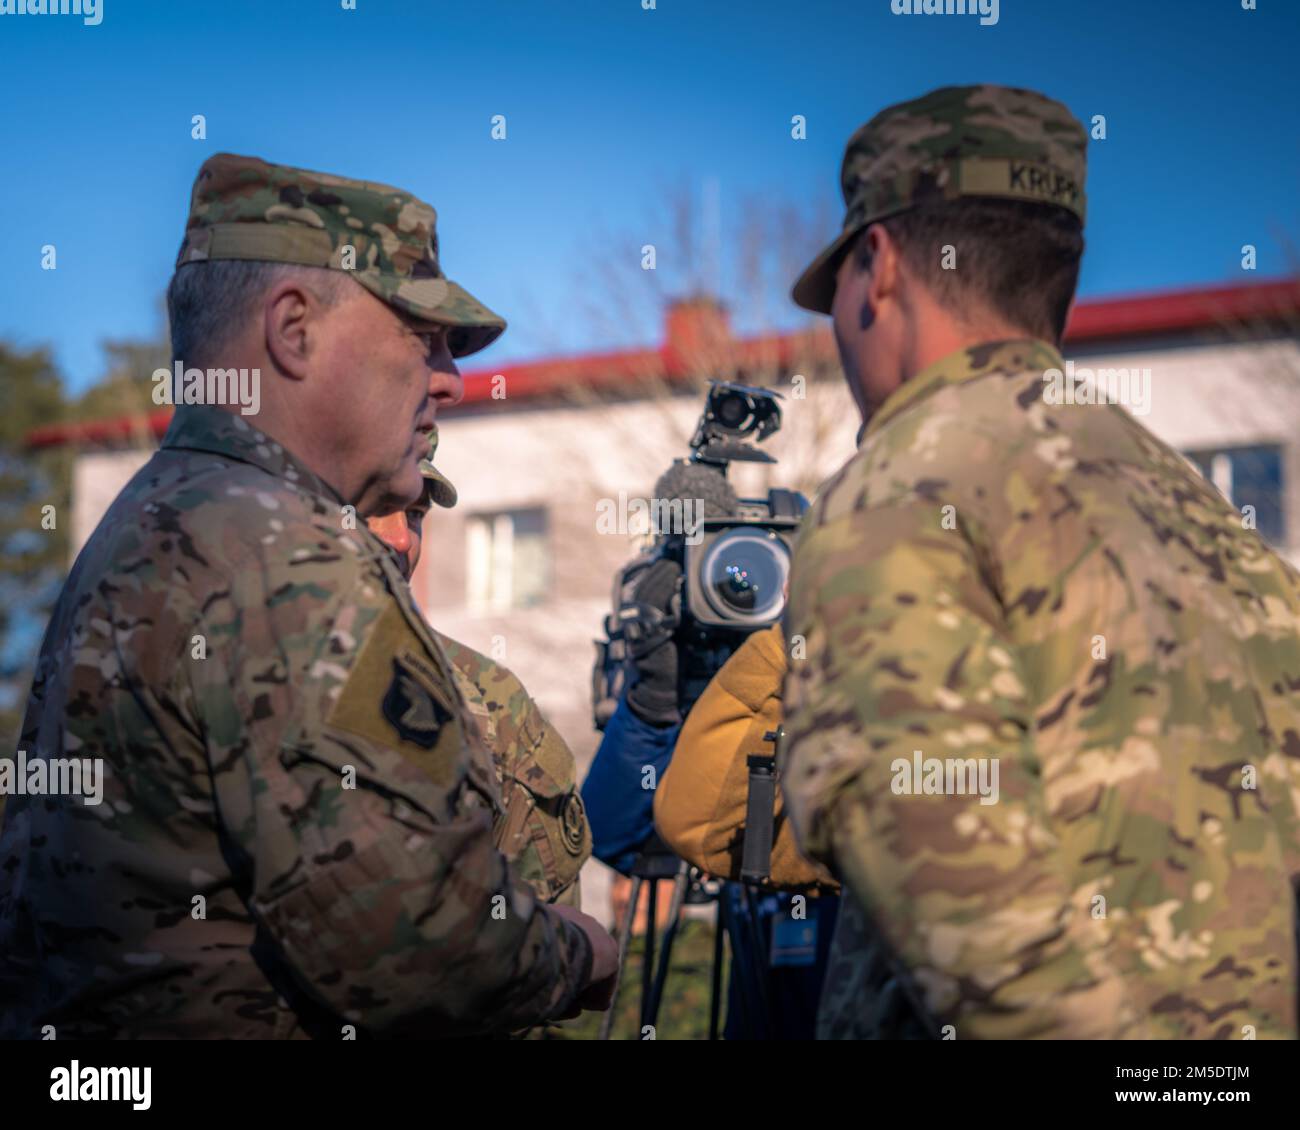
(670, 936)
(648, 952)
(740, 998)
(624, 937)
(715, 989)
(755, 930)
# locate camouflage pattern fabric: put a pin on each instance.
(295, 835)
(437, 486)
(958, 141)
(543, 828)
(1051, 589)
(386, 239)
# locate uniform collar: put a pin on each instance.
(202, 427)
(970, 363)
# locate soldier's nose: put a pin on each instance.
(399, 537)
(393, 531)
(446, 386)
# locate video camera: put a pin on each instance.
(734, 554)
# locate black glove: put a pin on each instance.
(653, 696)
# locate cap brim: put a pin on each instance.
(815, 289)
(438, 488)
(442, 492)
(471, 325)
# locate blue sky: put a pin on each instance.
(607, 105)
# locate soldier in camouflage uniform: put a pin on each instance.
(542, 828)
(999, 580)
(295, 837)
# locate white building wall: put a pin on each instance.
(97, 478)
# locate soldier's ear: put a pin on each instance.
(292, 317)
(877, 254)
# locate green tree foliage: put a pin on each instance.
(127, 385)
(33, 538)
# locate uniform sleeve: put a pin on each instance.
(363, 840)
(544, 834)
(910, 769)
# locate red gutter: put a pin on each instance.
(1170, 311)
(100, 431)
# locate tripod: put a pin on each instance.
(737, 915)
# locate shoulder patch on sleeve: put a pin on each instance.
(397, 696)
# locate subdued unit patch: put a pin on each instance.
(393, 698)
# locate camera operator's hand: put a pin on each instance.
(599, 990)
(653, 697)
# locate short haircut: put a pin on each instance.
(1015, 259)
(209, 301)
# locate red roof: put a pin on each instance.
(1174, 311)
(695, 325)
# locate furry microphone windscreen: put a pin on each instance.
(695, 480)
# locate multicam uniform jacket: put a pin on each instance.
(295, 838)
(542, 829)
(1000, 579)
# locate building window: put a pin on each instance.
(508, 565)
(1249, 476)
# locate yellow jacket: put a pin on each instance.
(701, 799)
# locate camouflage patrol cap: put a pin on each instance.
(953, 142)
(245, 208)
(436, 485)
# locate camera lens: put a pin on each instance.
(732, 410)
(743, 575)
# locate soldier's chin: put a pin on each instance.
(407, 487)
